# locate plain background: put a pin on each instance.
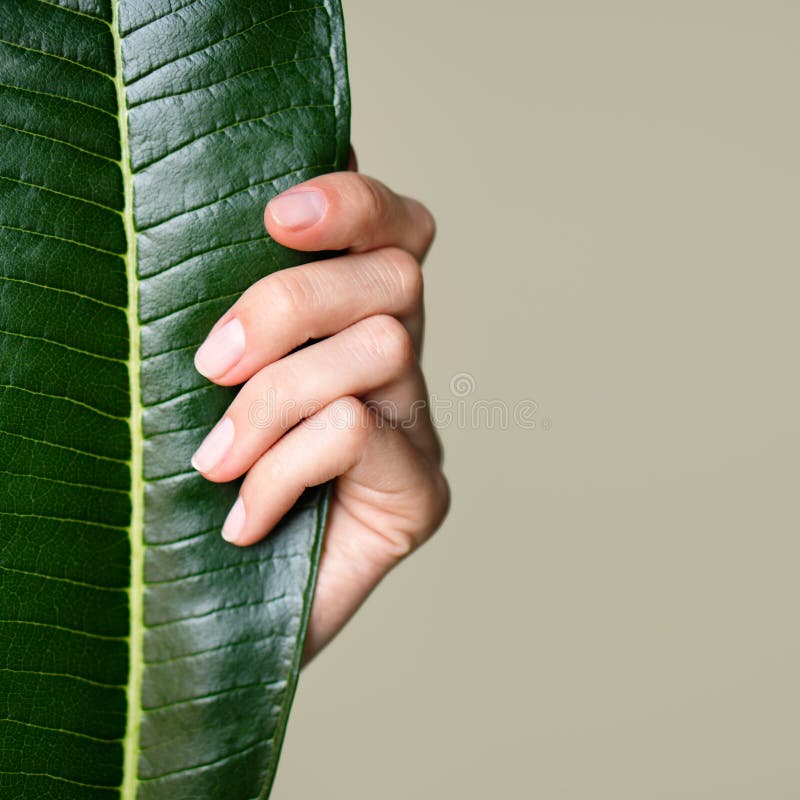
(612, 608)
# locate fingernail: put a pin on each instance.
(234, 522)
(299, 209)
(221, 350)
(214, 447)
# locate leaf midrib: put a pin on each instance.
(136, 587)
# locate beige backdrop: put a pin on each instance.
(613, 607)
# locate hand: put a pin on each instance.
(352, 406)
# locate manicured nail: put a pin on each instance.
(221, 350)
(234, 522)
(300, 209)
(214, 447)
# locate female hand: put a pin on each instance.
(352, 406)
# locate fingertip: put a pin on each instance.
(221, 351)
(234, 523)
(214, 447)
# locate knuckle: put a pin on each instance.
(270, 469)
(434, 503)
(395, 544)
(349, 404)
(427, 225)
(371, 204)
(289, 295)
(431, 503)
(400, 546)
(345, 414)
(246, 308)
(355, 417)
(275, 467)
(389, 341)
(407, 274)
(279, 299)
(371, 197)
(346, 420)
(441, 501)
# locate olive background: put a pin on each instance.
(611, 610)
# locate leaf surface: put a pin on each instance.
(140, 655)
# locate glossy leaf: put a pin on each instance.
(140, 655)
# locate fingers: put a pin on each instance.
(345, 438)
(372, 353)
(403, 404)
(321, 448)
(347, 210)
(308, 302)
(387, 235)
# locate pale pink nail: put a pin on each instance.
(214, 447)
(221, 350)
(299, 209)
(234, 521)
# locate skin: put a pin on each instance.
(351, 406)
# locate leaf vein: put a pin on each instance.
(60, 194)
(71, 400)
(214, 611)
(59, 97)
(55, 343)
(71, 520)
(182, 474)
(189, 538)
(58, 141)
(65, 483)
(65, 731)
(196, 303)
(74, 11)
(217, 648)
(234, 76)
(227, 568)
(63, 447)
(61, 239)
(239, 123)
(59, 778)
(209, 45)
(57, 57)
(70, 292)
(242, 190)
(74, 631)
(157, 19)
(68, 675)
(216, 249)
(214, 763)
(191, 346)
(203, 388)
(212, 695)
(68, 581)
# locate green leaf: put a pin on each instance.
(140, 655)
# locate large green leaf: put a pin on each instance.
(140, 655)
